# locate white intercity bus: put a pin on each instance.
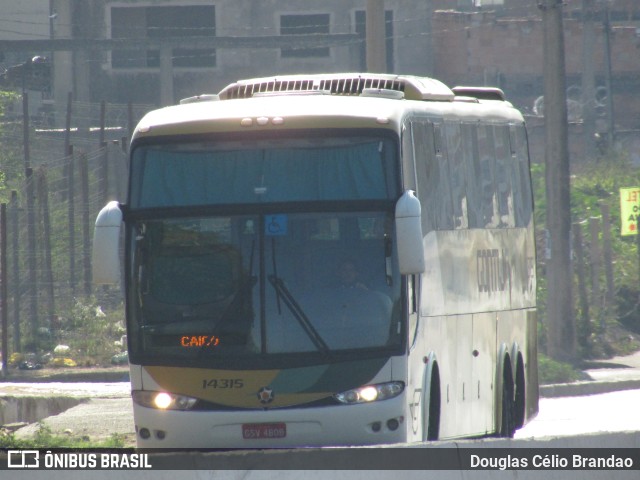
(339, 259)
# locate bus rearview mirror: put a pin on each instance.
(106, 241)
(409, 234)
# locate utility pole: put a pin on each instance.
(166, 76)
(561, 332)
(375, 37)
(611, 131)
(588, 78)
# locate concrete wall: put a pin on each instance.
(33, 409)
(21, 21)
(24, 19)
(412, 52)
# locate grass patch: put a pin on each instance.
(45, 438)
(551, 371)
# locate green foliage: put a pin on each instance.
(6, 98)
(63, 320)
(45, 438)
(538, 185)
(597, 184)
(593, 185)
(551, 371)
(3, 185)
(9, 154)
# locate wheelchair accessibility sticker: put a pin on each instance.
(275, 225)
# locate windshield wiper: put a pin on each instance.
(294, 307)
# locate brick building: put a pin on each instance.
(504, 46)
(500, 42)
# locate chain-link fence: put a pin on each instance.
(51, 202)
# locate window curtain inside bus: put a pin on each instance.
(183, 178)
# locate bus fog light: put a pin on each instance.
(376, 426)
(371, 393)
(144, 433)
(393, 424)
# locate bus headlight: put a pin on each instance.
(371, 393)
(163, 400)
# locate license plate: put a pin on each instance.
(263, 431)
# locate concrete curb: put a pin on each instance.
(17, 409)
(577, 389)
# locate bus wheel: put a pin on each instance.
(433, 421)
(508, 423)
(520, 395)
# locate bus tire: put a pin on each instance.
(433, 411)
(507, 416)
(520, 394)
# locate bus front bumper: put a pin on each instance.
(381, 422)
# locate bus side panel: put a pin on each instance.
(464, 346)
(437, 334)
(531, 366)
(486, 273)
(470, 271)
(519, 245)
(464, 399)
(468, 366)
(465, 410)
(135, 375)
(483, 371)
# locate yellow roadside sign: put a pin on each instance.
(629, 210)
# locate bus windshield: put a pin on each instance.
(265, 284)
(255, 249)
(262, 171)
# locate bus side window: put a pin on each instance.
(409, 159)
(472, 174)
(413, 288)
(412, 294)
(504, 165)
(443, 188)
(417, 143)
(522, 197)
(421, 148)
(487, 160)
(432, 175)
(455, 156)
